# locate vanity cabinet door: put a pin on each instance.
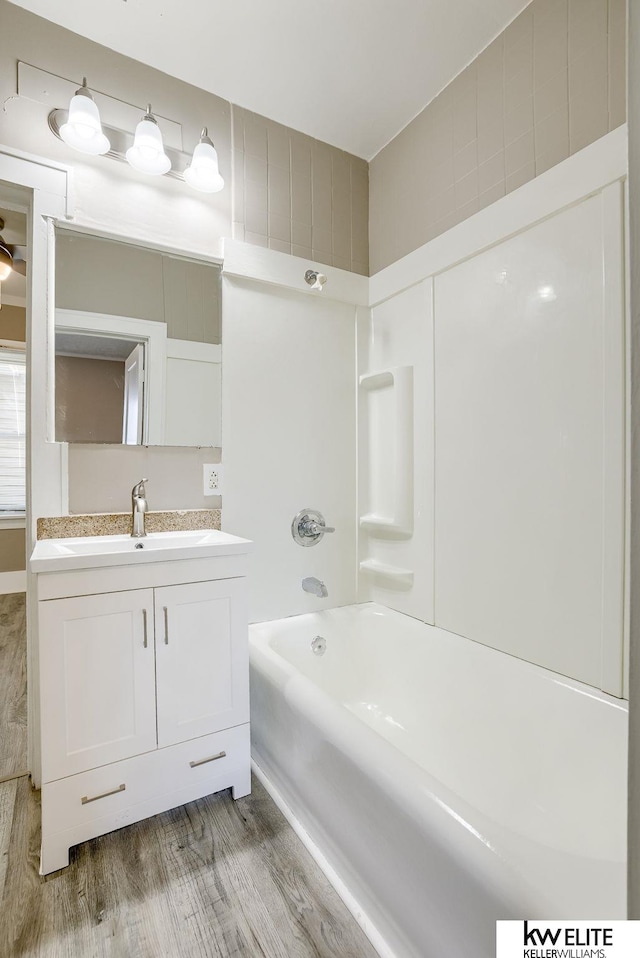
(202, 659)
(97, 680)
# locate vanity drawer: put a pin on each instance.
(214, 754)
(106, 791)
(181, 773)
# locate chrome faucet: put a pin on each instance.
(138, 509)
(315, 587)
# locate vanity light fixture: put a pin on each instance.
(83, 130)
(202, 173)
(144, 150)
(147, 153)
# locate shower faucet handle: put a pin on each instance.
(308, 527)
(312, 528)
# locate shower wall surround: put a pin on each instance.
(550, 84)
(513, 325)
(529, 459)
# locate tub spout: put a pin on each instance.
(315, 587)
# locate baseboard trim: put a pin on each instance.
(13, 582)
(369, 928)
(12, 778)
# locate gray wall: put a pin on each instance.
(101, 276)
(89, 399)
(12, 550)
(298, 195)
(101, 477)
(13, 320)
(550, 84)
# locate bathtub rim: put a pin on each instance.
(530, 668)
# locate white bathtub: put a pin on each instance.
(447, 784)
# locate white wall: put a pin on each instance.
(529, 394)
(289, 438)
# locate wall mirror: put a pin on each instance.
(138, 355)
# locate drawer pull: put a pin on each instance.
(203, 761)
(94, 798)
(166, 625)
(144, 623)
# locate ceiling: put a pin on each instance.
(350, 72)
(93, 347)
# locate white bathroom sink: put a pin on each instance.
(55, 555)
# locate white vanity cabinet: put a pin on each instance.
(144, 693)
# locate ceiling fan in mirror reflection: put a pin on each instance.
(12, 258)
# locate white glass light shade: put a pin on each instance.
(83, 130)
(203, 173)
(6, 261)
(147, 153)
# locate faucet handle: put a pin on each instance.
(317, 529)
(139, 489)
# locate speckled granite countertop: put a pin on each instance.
(119, 523)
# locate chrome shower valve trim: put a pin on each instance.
(308, 527)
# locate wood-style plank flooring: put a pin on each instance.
(213, 879)
(13, 686)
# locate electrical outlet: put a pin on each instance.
(212, 479)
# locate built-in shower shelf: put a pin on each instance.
(392, 573)
(384, 526)
(399, 525)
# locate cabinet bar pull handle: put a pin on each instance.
(94, 798)
(203, 761)
(166, 625)
(144, 623)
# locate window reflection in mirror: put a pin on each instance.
(13, 302)
(138, 345)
